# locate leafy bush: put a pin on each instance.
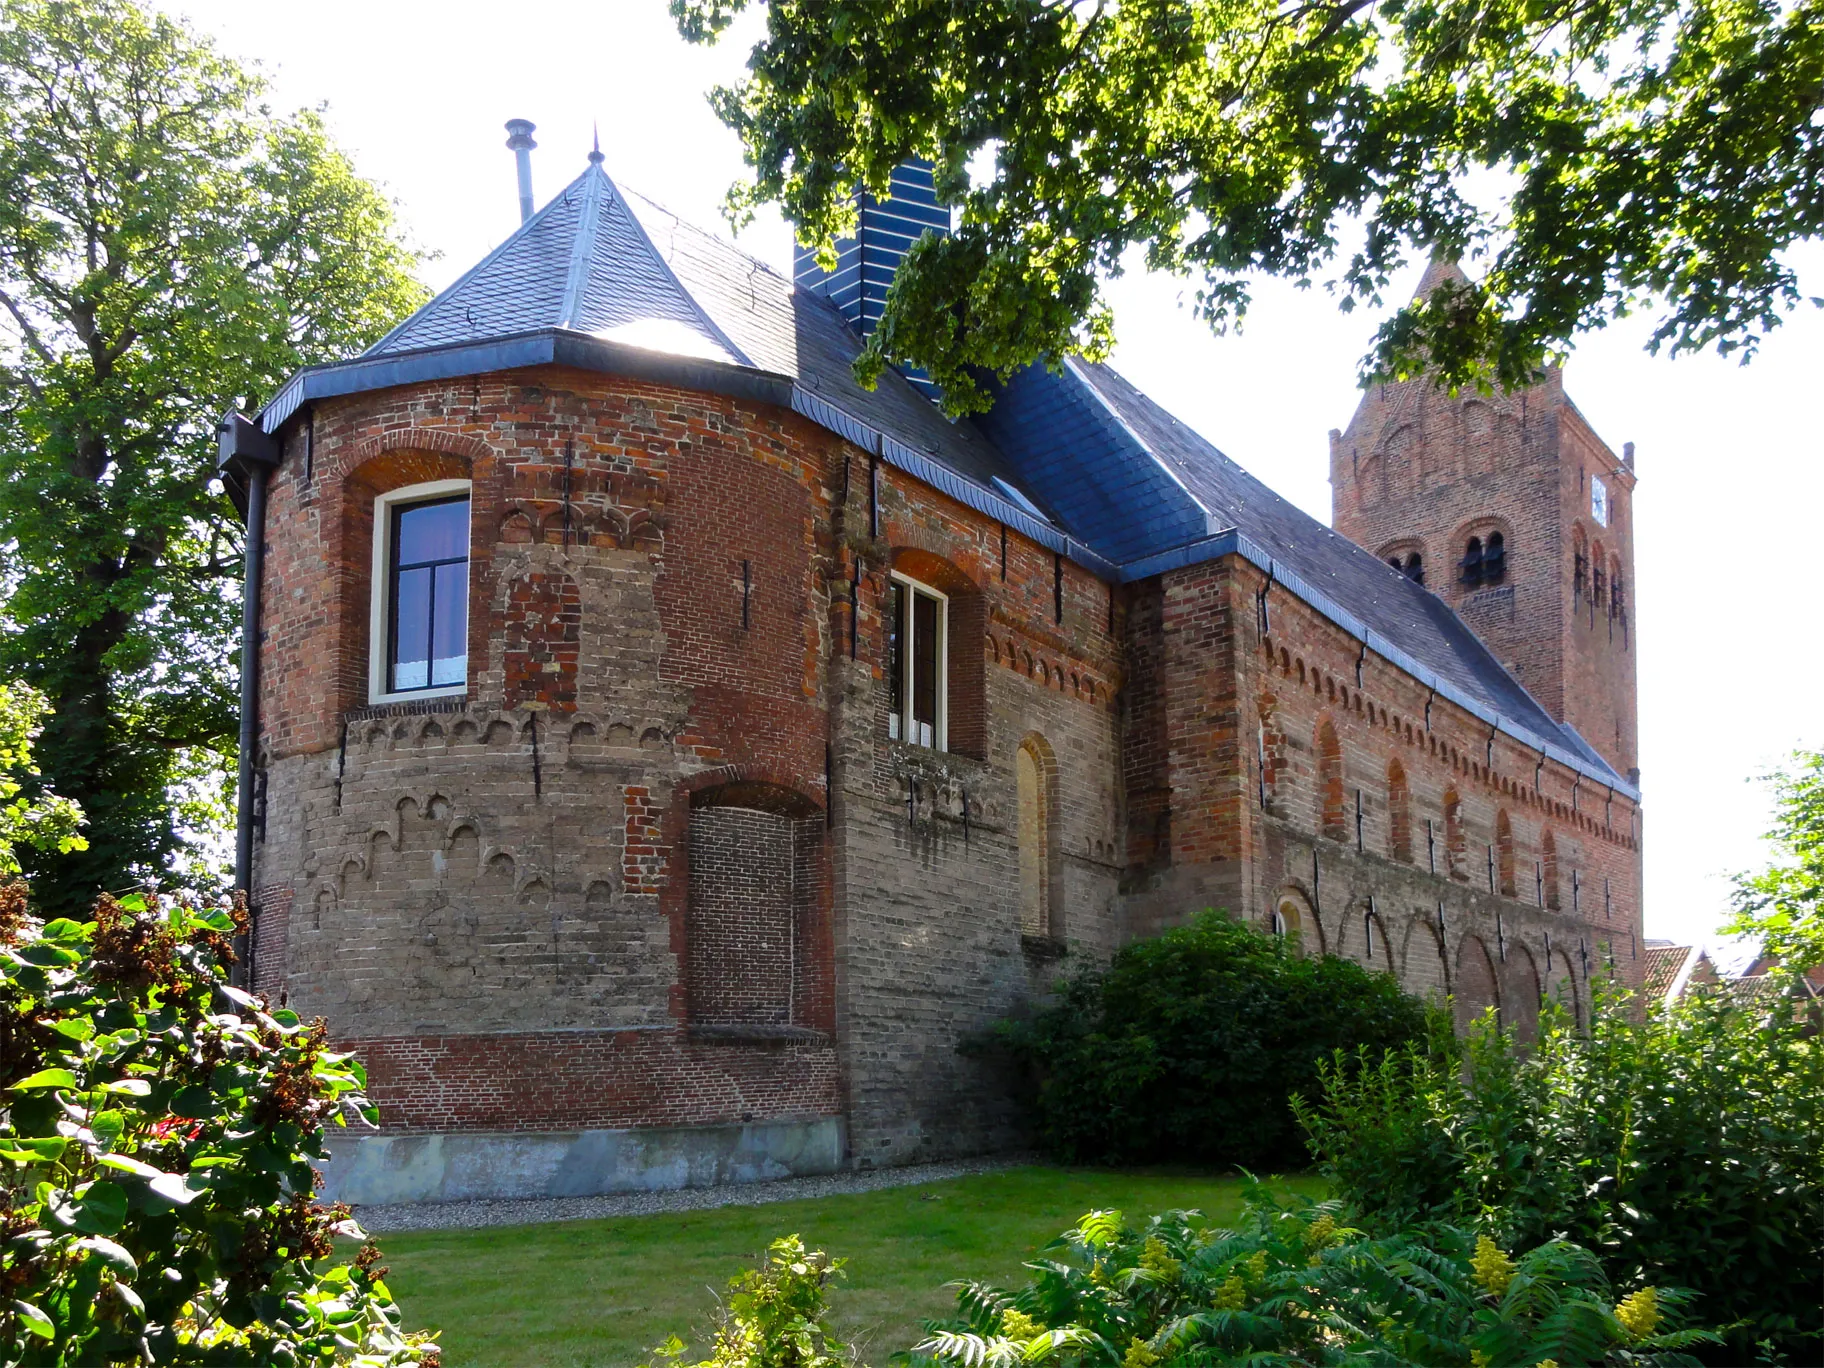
(156, 1152)
(1293, 1287)
(777, 1315)
(1187, 1046)
(1681, 1147)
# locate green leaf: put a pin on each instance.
(63, 929)
(46, 1149)
(128, 1087)
(103, 1209)
(127, 1164)
(173, 1188)
(35, 1320)
(46, 1078)
(109, 1253)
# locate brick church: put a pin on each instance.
(668, 751)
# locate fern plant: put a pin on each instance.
(1290, 1286)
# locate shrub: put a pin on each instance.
(1291, 1286)
(1187, 1046)
(156, 1153)
(1683, 1147)
(777, 1315)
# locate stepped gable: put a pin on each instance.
(1179, 478)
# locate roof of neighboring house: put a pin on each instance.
(1664, 964)
(1079, 460)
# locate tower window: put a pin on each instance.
(1484, 562)
(1414, 569)
(917, 648)
(1599, 501)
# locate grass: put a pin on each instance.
(604, 1292)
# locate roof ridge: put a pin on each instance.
(582, 248)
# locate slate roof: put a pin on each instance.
(1080, 460)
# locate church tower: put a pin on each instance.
(1513, 511)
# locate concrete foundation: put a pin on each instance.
(383, 1169)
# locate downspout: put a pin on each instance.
(247, 457)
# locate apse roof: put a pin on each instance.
(1077, 458)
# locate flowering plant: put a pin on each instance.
(156, 1142)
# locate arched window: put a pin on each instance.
(1580, 563)
(1548, 851)
(1399, 812)
(1414, 568)
(1035, 775)
(1453, 835)
(1599, 580)
(1290, 920)
(1484, 561)
(754, 910)
(1617, 601)
(1504, 851)
(1330, 781)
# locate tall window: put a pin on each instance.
(1330, 782)
(917, 650)
(421, 589)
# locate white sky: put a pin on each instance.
(1731, 483)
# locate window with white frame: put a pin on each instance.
(420, 617)
(917, 663)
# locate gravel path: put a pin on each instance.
(537, 1210)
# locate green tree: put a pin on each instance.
(1594, 156)
(43, 821)
(1783, 906)
(168, 247)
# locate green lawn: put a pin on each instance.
(603, 1292)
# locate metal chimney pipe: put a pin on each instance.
(520, 140)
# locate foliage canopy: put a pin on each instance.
(168, 247)
(156, 1150)
(1681, 1147)
(1783, 906)
(1596, 156)
(1186, 1046)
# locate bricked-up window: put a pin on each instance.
(917, 663)
(1330, 781)
(1035, 775)
(1504, 852)
(420, 603)
(1399, 812)
(754, 908)
(1548, 850)
(1454, 848)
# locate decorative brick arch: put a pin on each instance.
(1477, 988)
(417, 439)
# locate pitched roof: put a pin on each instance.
(1079, 460)
(1136, 482)
(1664, 965)
(581, 263)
